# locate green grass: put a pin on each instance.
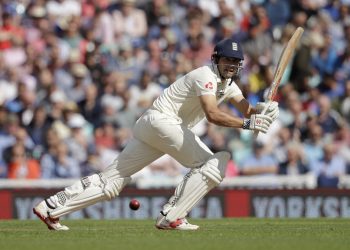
(233, 234)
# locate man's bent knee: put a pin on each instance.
(215, 167)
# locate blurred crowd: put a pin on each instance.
(76, 75)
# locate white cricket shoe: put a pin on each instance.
(42, 211)
(179, 224)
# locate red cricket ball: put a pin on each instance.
(134, 204)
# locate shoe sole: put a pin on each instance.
(42, 218)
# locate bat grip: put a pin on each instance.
(266, 107)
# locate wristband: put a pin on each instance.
(246, 124)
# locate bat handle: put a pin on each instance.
(256, 133)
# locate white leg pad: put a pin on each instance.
(88, 191)
(195, 185)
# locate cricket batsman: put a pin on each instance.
(165, 128)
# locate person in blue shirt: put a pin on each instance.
(329, 168)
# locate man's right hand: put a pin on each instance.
(258, 122)
(271, 111)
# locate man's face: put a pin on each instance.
(228, 67)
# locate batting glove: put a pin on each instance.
(258, 122)
(272, 110)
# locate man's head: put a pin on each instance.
(228, 56)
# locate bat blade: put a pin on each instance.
(282, 64)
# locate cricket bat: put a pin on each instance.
(282, 64)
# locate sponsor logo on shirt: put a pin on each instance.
(209, 85)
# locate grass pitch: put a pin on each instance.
(233, 234)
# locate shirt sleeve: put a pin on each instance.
(205, 84)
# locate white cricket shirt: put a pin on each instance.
(180, 100)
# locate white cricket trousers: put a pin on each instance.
(156, 134)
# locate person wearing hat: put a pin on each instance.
(80, 74)
(165, 128)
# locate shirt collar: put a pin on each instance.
(217, 74)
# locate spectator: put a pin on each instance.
(90, 106)
(36, 26)
(314, 144)
(129, 21)
(324, 60)
(342, 144)
(345, 105)
(37, 129)
(154, 52)
(143, 95)
(260, 79)
(256, 25)
(280, 149)
(103, 27)
(9, 85)
(105, 135)
(328, 118)
(23, 104)
(57, 104)
(63, 8)
(126, 63)
(292, 115)
(330, 87)
(302, 74)
(199, 50)
(15, 56)
(13, 134)
(76, 92)
(56, 163)
(22, 166)
(10, 31)
(73, 36)
(227, 27)
(278, 12)
(80, 137)
(155, 10)
(259, 163)
(329, 168)
(342, 72)
(93, 163)
(123, 135)
(294, 164)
